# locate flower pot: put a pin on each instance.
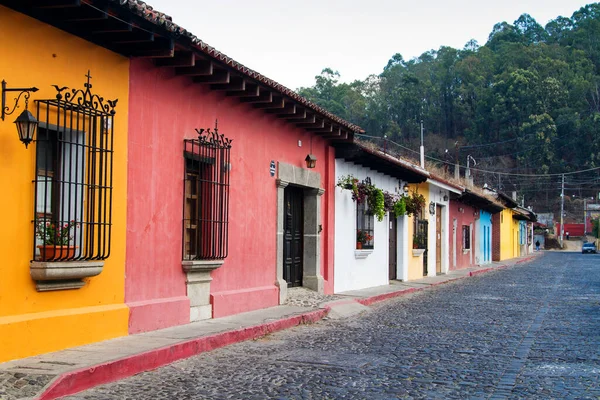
(51, 252)
(358, 245)
(348, 186)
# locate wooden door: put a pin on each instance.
(292, 236)
(438, 239)
(393, 246)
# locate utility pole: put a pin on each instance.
(422, 148)
(585, 216)
(456, 166)
(562, 208)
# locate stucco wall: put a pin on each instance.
(509, 235)
(464, 215)
(353, 273)
(166, 109)
(483, 233)
(34, 322)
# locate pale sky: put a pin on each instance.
(292, 41)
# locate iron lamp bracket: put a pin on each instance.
(25, 92)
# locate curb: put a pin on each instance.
(86, 378)
(82, 379)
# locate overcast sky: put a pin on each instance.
(292, 41)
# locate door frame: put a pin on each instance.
(392, 234)
(295, 195)
(310, 182)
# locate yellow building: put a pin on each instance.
(74, 173)
(418, 226)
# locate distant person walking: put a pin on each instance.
(537, 245)
(567, 235)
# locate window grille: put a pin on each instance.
(206, 196)
(74, 176)
(365, 221)
(466, 237)
(420, 235)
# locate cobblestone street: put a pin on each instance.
(529, 331)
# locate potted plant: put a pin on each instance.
(415, 242)
(362, 238)
(376, 201)
(414, 203)
(348, 182)
(400, 207)
(55, 237)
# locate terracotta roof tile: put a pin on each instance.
(147, 12)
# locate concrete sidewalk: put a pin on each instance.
(69, 371)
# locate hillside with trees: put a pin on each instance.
(526, 102)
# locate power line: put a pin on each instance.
(482, 170)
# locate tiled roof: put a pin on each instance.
(147, 12)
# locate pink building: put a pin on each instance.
(463, 240)
(219, 225)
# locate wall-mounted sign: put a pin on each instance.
(272, 168)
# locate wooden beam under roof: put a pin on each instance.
(336, 132)
(263, 98)
(299, 115)
(179, 59)
(45, 4)
(218, 76)
(311, 121)
(288, 110)
(106, 26)
(342, 136)
(200, 68)
(78, 14)
(160, 47)
(325, 129)
(251, 90)
(235, 83)
(277, 104)
(136, 36)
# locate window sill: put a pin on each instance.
(359, 254)
(466, 251)
(418, 252)
(201, 265)
(63, 275)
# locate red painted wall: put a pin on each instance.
(164, 110)
(573, 229)
(466, 217)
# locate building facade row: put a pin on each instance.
(165, 183)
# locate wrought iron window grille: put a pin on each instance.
(206, 196)
(420, 235)
(365, 222)
(73, 182)
(466, 239)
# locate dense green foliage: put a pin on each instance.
(532, 91)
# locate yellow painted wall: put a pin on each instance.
(415, 264)
(35, 54)
(516, 245)
(509, 235)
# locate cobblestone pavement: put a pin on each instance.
(530, 331)
(302, 297)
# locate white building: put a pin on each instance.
(384, 256)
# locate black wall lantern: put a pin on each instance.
(445, 197)
(311, 161)
(26, 122)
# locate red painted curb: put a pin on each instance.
(82, 379)
(385, 296)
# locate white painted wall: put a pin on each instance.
(351, 272)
